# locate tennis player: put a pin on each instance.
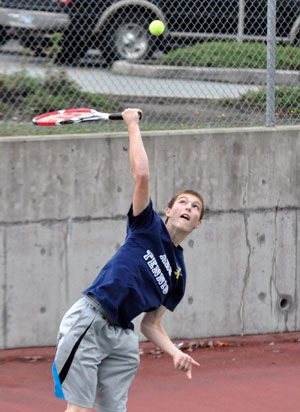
(97, 352)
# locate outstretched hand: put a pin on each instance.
(132, 115)
(184, 362)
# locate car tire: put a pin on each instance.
(127, 38)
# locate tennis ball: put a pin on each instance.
(156, 27)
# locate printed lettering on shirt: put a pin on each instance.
(155, 269)
(166, 287)
(166, 263)
(152, 264)
(148, 255)
(177, 273)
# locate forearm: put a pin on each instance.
(138, 158)
(157, 335)
(153, 330)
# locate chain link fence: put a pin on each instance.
(219, 63)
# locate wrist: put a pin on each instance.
(132, 125)
(174, 350)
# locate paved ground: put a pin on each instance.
(121, 82)
(259, 373)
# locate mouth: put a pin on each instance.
(185, 216)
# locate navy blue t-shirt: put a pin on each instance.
(146, 272)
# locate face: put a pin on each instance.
(185, 213)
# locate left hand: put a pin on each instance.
(131, 116)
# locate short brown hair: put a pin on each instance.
(188, 192)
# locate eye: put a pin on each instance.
(196, 206)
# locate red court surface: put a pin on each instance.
(247, 374)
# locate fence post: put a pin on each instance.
(271, 63)
(241, 21)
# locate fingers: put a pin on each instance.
(189, 371)
(132, 115)
(185, 363)
(195, 363)
(189, 374)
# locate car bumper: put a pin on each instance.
(33, 20)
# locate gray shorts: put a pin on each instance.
(95, 362)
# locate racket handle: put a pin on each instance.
(118, 116)
(115, 116)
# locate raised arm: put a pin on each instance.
(153, 330)
(138, 162)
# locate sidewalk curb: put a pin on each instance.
(226, 75)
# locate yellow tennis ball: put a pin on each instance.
(156, 27)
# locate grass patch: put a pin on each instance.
(230, 54)
(251, 55)
(9, 128)
(286, 101)
(28, 129)
(22, 97)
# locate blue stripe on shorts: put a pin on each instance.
(57, 385)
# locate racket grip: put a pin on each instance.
(115, 116)
(118, 116)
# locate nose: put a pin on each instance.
(188, 206)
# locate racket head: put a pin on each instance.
(68, 116)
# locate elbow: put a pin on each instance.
(144, 327)
(142, 177)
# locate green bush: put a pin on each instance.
(15, 87)
(57, 83)
(232, 54)
(23, 96)
(286, 101)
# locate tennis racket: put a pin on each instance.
(70, 116)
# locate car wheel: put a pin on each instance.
(127, 39)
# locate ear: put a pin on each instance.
(198, 224)
(167, 211)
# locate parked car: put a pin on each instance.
(31, 21)
(119, 28)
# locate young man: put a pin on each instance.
(97, 353)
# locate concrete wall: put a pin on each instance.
(63, 214)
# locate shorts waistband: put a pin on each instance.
(97, 305)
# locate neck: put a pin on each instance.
(177, 236)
